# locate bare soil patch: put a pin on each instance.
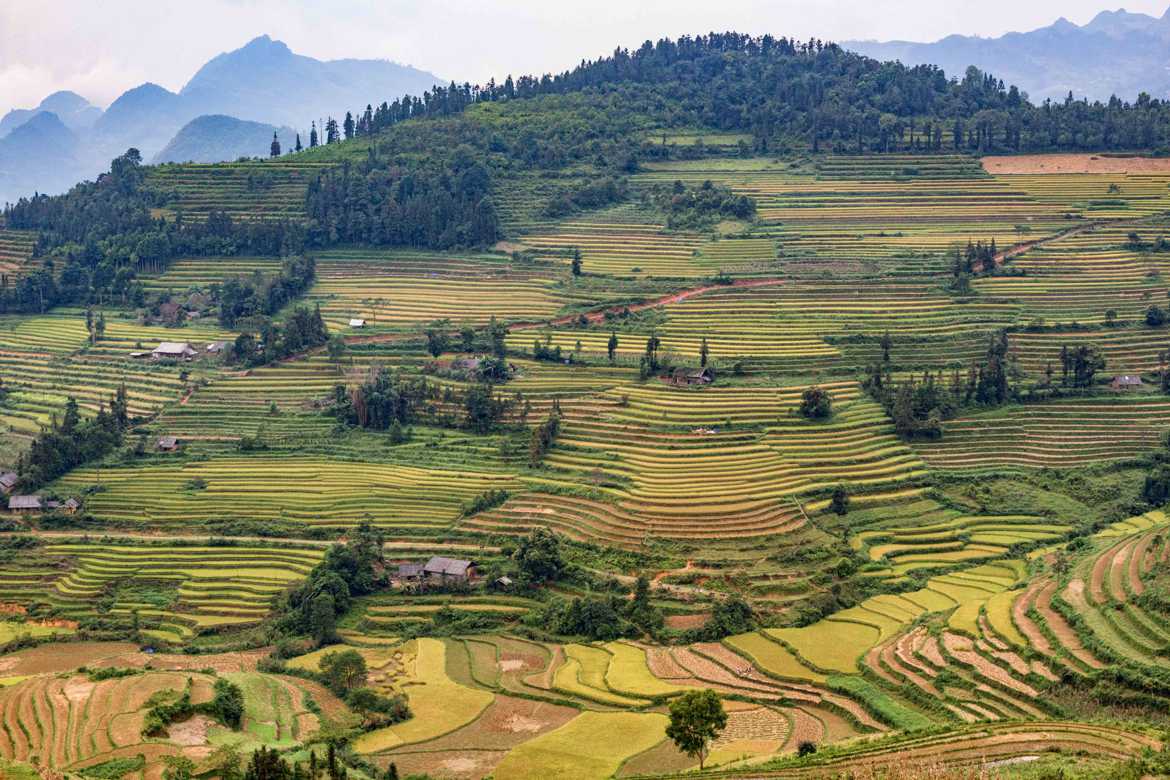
(63, 657)
(190, 732)
(1074, 163)
(455, 765)
(687, 622)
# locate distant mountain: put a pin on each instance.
(264, 83)
(145, 117)
(217, 137)
(40, 155)
(74, 111)
(1117, 53)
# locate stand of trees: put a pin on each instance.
(437, 202)
(265, 294)
(100, 234)
(699, 207)
(72, 442)
(388, 399)
(302, 330)
(918, 407)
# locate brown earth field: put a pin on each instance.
(1074, 163)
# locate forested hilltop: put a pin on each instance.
(432, 181)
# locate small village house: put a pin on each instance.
(8, 482)
(683, 378)
(440, 569)
(170, 313)
(357, 322)
(25, 504)
(410, 572)
(173, 350)
(68, 507)
(168, 444)
(1126, 382)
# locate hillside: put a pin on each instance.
(1116, 53)
(833, 387)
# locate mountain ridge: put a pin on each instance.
(263, 83)
(1050, 62)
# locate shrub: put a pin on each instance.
(815, 403)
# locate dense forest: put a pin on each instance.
(814, 94)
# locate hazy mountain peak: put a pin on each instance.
(229, 108)
(1116, 53)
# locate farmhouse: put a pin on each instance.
(170, 313)
(681, 377)
(449, 569)
(215, 347)
(69, 506)
(24, 504)
(7, 482)
(174, 350)
(168, 444)
(1126, 382)
(357, 322)
(410, 572)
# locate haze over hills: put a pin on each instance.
(215, 137)
(1117, 53)
(264, 84)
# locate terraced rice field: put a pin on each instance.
(16, 247)
(954, 542)
(66, 722)
(268, 189)
(1103, 589)
(313, 491)
(393, 290)
(1061, 433)
(623, 249)
(642, 445)
(176, 590)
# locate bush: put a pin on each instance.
(815, 403)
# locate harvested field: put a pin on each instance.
(1074, 163)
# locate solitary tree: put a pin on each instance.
(436, 342)
(297, 147)
(343, 671)
(274, 150)
(840, 502)
(611, 347)
(815, 403)
(703, 353)
(313, 135)
(696, 718)
(576, 266)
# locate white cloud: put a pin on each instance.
(102, 49)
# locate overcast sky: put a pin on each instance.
(102, 48)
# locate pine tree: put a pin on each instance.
(703, 352)
(313, 135)
(297, 147)
(274, 150)
(611, 347)
(348, 125)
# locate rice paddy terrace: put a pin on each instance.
(964, 609)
